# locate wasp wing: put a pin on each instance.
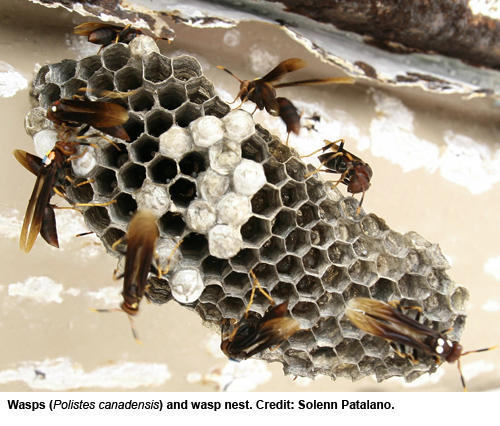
(282, 69)
(317, 82)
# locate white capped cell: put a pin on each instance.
(234, 209)
(207, 130)
(142, 45)
(154, 197)
(224, 241)
(44, 141)
(224, 156)
(212, 185)
(200, 216)
(239, 125)
(248, 177)
(169, 254)
(186, 285)
(84, 166)
(176, 142)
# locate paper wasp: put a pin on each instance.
(290, 116)
(262, 91)
(354, 172)
(107, 117)
(106, 34)
(142, 236)
(52, 175)
(387, 321)
(251, 335)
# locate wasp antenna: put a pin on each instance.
(230, 73)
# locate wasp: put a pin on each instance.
(387, 320)
(262, 91)
(251, 335)
(106, 34)
(52, 173)
(290, 116)
(107, 117)
(354, 172)
(48, 230)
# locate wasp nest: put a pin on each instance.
(239, 200)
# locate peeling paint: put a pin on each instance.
(11, 81)
(39, 289)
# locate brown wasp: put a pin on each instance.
(262, 91)
(387, 320)
(48, 230)
(107, 117)
(106, 34)
(52, 173)
(251, 335)
(290, 116)
(354, 172)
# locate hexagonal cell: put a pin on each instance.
(193, 164)
(128, 78)
(255, 231)
(302, 340)
(162, 169)
(51, 93)
(433, 308)
(131, 176)
(300, 360)
(296, 169)
(390, 267)
(315, 189)
(315, 261)
(293, 194)
(237, 284)
(307, 215)
(283, 222)
(106, 182)
(114, 157)
(186, 67)
(212, 294)
(310, 287)
(194, 248)
(327, 332)
(306, 313)
(172, 224)
(97, 219)
(199, 90)
(284, 291)
(279, 151)
(321, 235)
(414, 287)
(375, 346)
(323, 360)
(216, 107)
(385, 289)
(213, 267)
(355, 290)
(275, 172)
(245, 260)
(373, 226)
(266, 201)
(439, 281)
(363, 272)
(209, 312)
(232, 307)
(111, 236)
(62, 71)
(134, 127)
(349, 208)
(187, 113)
(266, 275)
(346, 231)
(394, 243)
(71, 87)
(367, 248)
(88, 66)
(297, 241)
(335, 279)
(272, 250)
(182, 192)
(115, 56)
(290, 268)
(144, 149)
(254, 148)
(101, 80)
(329, 211)
(158, 290)
(341, 254)
(157, 67)
(172, 95)
(416, 263)
(81, 192)
(143, 100)
(124, 207)
(330, 304)
(158, 122)
(350, 351)
(459, 299)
